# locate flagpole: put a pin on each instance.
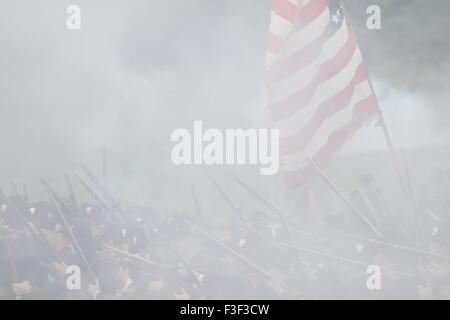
(387, 135)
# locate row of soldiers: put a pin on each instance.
(142, 253)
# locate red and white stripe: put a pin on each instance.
(319, 93)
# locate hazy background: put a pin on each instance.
(138, 69)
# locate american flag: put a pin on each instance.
(319, 93)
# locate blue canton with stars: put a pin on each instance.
(336, 14)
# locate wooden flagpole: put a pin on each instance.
(386, 132)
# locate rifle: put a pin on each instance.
(107, 198)
(14, 187)
(99, 198)
(277, 211)
(236, 211)
(240, 257)
(73, 199)
(72, 236)
(137, 257)
(55, 195)
(100, 187)
(196, 202)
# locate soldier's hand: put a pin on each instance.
(22, 288)
(60, 268)
(94, 289)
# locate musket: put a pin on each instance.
(72, 236)
(255, 194)
(239, 256)
(33, 229)
(333, 257)
(199, 211)
(73, 199)
(367, 202)
(277, 211)
(188, 267)
(55, 195)
(196, 202)
(92, 192)
(14, 187)
(236, 254)
(236, 211)
(105, 165)
(99, 198)
(25, 191)
(412, 195)
(325, 255)
(343, 197)
(137, 257)
(96, 183)
(223, 194)
(112, 204)
(346, 260)
(383, 243)
(321, 254)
